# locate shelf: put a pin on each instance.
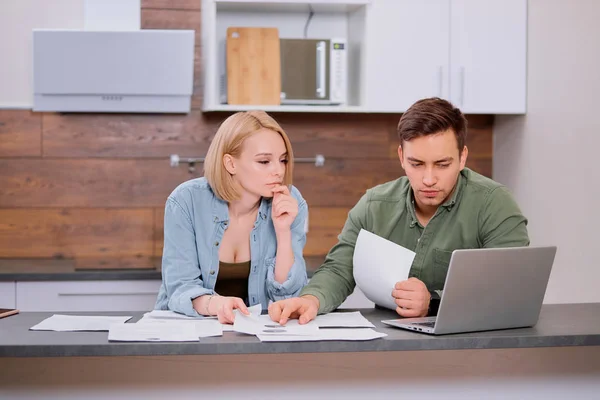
(325, 6)
(291, 108)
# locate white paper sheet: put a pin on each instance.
(326, 334)
(343, 320)
(167, 314)
(157, 331)
(378, 265)
(203, 327)
(262, 324)
(69, 323)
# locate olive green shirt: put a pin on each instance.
(480, 213)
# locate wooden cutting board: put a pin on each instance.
(253, 66)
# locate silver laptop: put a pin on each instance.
(489, 289)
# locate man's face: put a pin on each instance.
(432, 164)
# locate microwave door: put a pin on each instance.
(304, 66)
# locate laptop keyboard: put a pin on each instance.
(427, 324)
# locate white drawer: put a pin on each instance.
(7, 294)
(134, 295)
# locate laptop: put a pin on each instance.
(489, 289)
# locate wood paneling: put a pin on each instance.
(117, 135)
(123, 136)
(20, 133)
(172, 4)
(76, 233)
(324, 226)
(172, 19)
(147, 183)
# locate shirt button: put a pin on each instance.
(212, 272)
(216, 243)
(216, 219)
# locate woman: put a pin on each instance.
(235, 237)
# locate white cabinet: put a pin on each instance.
(7, 295)
(406, 53)
(132, 295)
(488, 55)
(471, 52)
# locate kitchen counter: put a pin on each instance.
(559, 325)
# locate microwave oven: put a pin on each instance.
(313, 71)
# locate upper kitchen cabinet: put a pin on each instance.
(405, 50)
(367, 55)
(488, 56)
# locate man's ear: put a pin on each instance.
(229, 163)
(400, 156)
(463, 157)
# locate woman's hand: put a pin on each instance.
(284, 209)
(223, 306)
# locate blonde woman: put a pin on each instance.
(235, 237)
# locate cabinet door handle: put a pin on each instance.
(321, 66)
(440, 80)
(462, 86)
(108, 294)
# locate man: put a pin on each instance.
(439, 206)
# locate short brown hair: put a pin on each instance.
(229, 139)
(431, 116)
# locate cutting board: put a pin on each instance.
(253, 66)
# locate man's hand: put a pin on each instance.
(303, 308)
(412, 298)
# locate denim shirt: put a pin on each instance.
(195, 221)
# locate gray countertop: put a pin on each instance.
(559, 325)
(12, 270)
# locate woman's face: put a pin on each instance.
(262, 164)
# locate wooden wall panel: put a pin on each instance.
(77, 233)
(172, 19)
(126, 136)
(20, 133)
(172, 4)
(147, 183)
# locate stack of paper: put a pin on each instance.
(378, 265)
(268, 331)
(70, 323)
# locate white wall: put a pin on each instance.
(17, 19)
(550, 157)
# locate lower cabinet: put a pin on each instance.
(134, 295)
(7, 295)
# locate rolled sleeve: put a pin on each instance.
(297, 277)
(180, 267)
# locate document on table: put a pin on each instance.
(69, 323)
(263, 325)
(378, 265)
(326, 334)
(343, 320)
(156, 331)
(203, 327)
(171, 315)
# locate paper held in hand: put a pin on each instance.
(378, 265)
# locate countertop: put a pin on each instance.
(559, 325)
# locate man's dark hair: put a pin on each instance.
(431, 116)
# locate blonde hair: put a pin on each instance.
(229, 139)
